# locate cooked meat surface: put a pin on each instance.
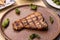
(32, 21)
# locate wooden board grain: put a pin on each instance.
(9, 33)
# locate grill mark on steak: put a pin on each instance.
(33, 21)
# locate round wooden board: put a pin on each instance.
(10, 34)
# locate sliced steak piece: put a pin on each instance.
(33, 21)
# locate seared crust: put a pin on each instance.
(33, 21)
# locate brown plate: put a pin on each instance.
(10, 34)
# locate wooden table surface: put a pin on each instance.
(22, 2)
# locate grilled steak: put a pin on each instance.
(32, 21)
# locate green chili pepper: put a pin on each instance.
(34, 36)
(33, 7)
(51, 20)
(5, 23)
(55, 1)
(17, 11)
(58, 3)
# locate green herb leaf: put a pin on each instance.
(5, 23)
(17, 11)
(51, 20)
(34, 36)
(33, 7)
